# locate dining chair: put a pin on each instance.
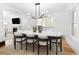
(19, 38)
(30, 39)
(56, 40)
(43, 41)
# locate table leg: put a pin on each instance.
(61, 44)
(14, 42)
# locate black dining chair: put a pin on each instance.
(56, 40)
(30, 39)
(43, 41)
(19, 38)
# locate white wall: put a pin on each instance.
(26, 21)
(1, 27)
(63, 21)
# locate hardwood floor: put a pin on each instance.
(67, 50)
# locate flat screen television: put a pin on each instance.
(15, 20)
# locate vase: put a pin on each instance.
(34, 29)
(40, 29)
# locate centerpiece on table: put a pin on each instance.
(34, 28)
(40, 29)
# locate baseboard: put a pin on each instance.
(2, 43)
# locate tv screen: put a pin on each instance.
(15, 21)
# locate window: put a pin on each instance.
(75, 23)
(46, 22)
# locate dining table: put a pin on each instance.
(44, 33)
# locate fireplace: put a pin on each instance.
(16, 23)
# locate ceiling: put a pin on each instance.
(30, 7)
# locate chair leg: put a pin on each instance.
(33, 47)
(61, 46)
(56, 47)
(21, 44)
(47, 49)
(38, 48)
(26, 44)
(50, 45)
